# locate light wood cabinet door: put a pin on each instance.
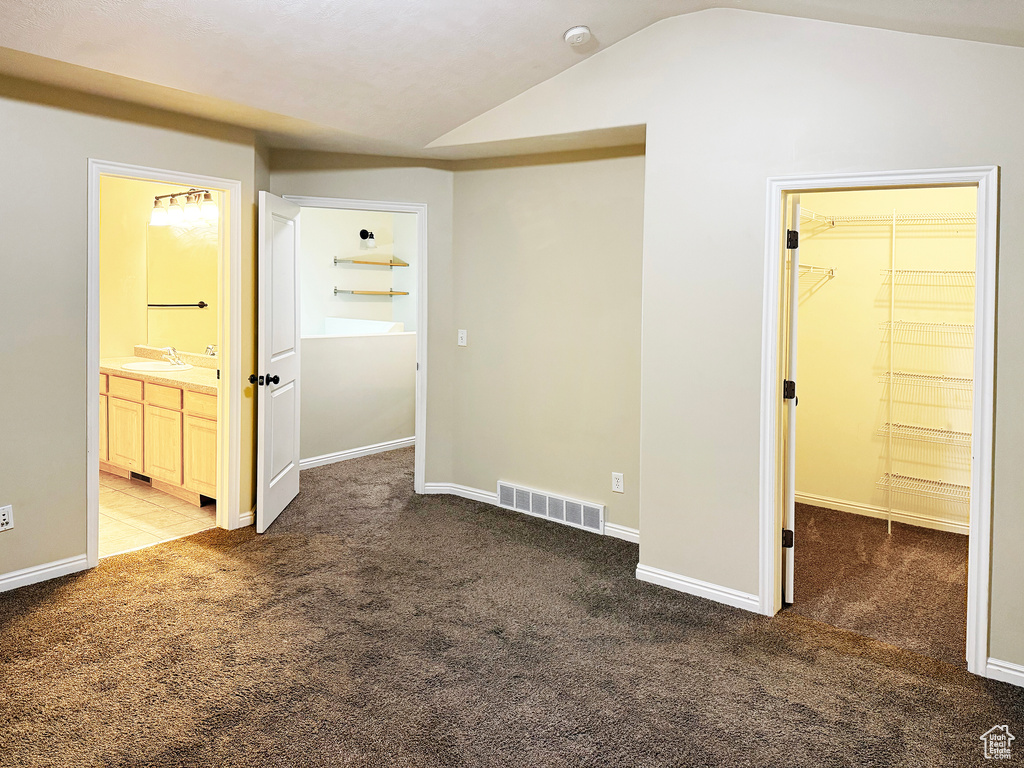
(103, 428)
(124, 433)
(201, 455)
(163, 444)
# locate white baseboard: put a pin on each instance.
(622, 532)
(869, 510)
(475, 494)
(464, 491)
(38, 573)
(355, 453)
(1005, 671)
(247, 518)
(732, 597)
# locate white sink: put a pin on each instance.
(156, 366)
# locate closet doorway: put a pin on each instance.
(882, 407)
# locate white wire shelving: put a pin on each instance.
(926, 380)
(812, 270)
(888, 218)
(909, 326)
(925, 434)
(919, 486)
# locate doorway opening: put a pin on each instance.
(881, 326)
(362, 267)
(163, 356)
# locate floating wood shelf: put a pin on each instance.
(372, 293)
(925, 434)
(932, 489)
(393, 263)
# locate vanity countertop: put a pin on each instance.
(195, 379)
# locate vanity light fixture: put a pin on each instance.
(208, 208)
(191, 208)
(175, 213)
(184, 208)
(158, 216)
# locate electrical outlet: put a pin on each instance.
(463, 338)
(6, 517)
(617, 483)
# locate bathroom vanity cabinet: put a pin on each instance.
(164, 432)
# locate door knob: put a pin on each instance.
(273, 379)
(252, 378)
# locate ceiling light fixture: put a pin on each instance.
(577, 36)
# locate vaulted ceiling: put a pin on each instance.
(380, 76)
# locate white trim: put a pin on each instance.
(622, 532)
(37, 573)
(247, 518)
(420, 209)
(870, 510)
(733, 597)
(474, 494)
(229, 401)
(355, 453)
(1006, 671)
(980, 544)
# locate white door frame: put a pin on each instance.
(980, 544)
(420, 209)
(229, 400)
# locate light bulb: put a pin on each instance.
(158, 216)
(209, 208)
(191, 208)
(175, 213)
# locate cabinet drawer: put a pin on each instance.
(103, 383)
(201, 405)
(129, 389)
(165, 397)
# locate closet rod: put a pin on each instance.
(887, 218)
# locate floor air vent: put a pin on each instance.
(579, 514)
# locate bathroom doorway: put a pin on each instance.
(163, 362)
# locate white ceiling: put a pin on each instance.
(385, 76)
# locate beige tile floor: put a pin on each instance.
(134, 515)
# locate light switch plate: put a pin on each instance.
(6, 517)
(463, 338)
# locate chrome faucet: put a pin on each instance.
(172, 354)
(211, 350)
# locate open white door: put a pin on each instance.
(277, 359)
(789, 395)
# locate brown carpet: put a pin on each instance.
(908, 589)
(370, 627)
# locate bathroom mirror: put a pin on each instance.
(181, 275)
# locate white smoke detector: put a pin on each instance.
(577, 36)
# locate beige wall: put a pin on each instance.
(843, 350)
(547, 284)
(357, 391)
(708, 87)
(49, 136)
(409, 181)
